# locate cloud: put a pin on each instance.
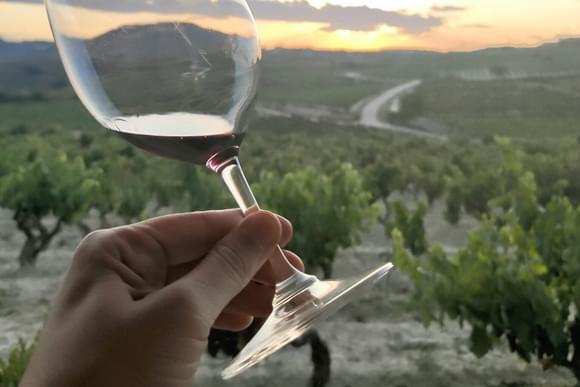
(202, 7)
(446, 8)
(476, 25)
(359, 18)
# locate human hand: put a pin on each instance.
(139, 301)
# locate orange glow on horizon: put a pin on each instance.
(20, 21)
(479, 25)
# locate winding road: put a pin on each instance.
(370, 112)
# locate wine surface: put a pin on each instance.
(193, 138)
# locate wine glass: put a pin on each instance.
(178, 79)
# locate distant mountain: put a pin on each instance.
(167, 64)
(550, 58)
(26, 50)
(35, 65)
(30, 66)
(160, 42)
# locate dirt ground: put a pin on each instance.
(373, 342)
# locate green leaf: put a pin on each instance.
(329, 211)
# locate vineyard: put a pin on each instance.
(484, 227)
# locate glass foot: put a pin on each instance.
(300, 302)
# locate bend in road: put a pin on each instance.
(371, 111)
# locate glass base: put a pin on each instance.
(300, 302)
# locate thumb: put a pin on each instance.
(232, 263)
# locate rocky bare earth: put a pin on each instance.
(374, 342)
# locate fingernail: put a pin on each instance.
(285, 221)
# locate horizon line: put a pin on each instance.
(555, 40)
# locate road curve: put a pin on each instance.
(370, 112)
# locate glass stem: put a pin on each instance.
(233, 176)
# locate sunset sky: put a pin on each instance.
(361, 25)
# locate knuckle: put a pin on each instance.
(126, 238)
(108, 237)
(94, 237)
(94, 244)
(101, 244)
(124, 234)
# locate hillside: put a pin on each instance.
(36, 65)
(29, 66)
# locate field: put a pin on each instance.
(524, 109)
(375, 342)
(328, 83)
(312, 103)
(43, 115)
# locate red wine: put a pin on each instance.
(197, 150)
(193, 138)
